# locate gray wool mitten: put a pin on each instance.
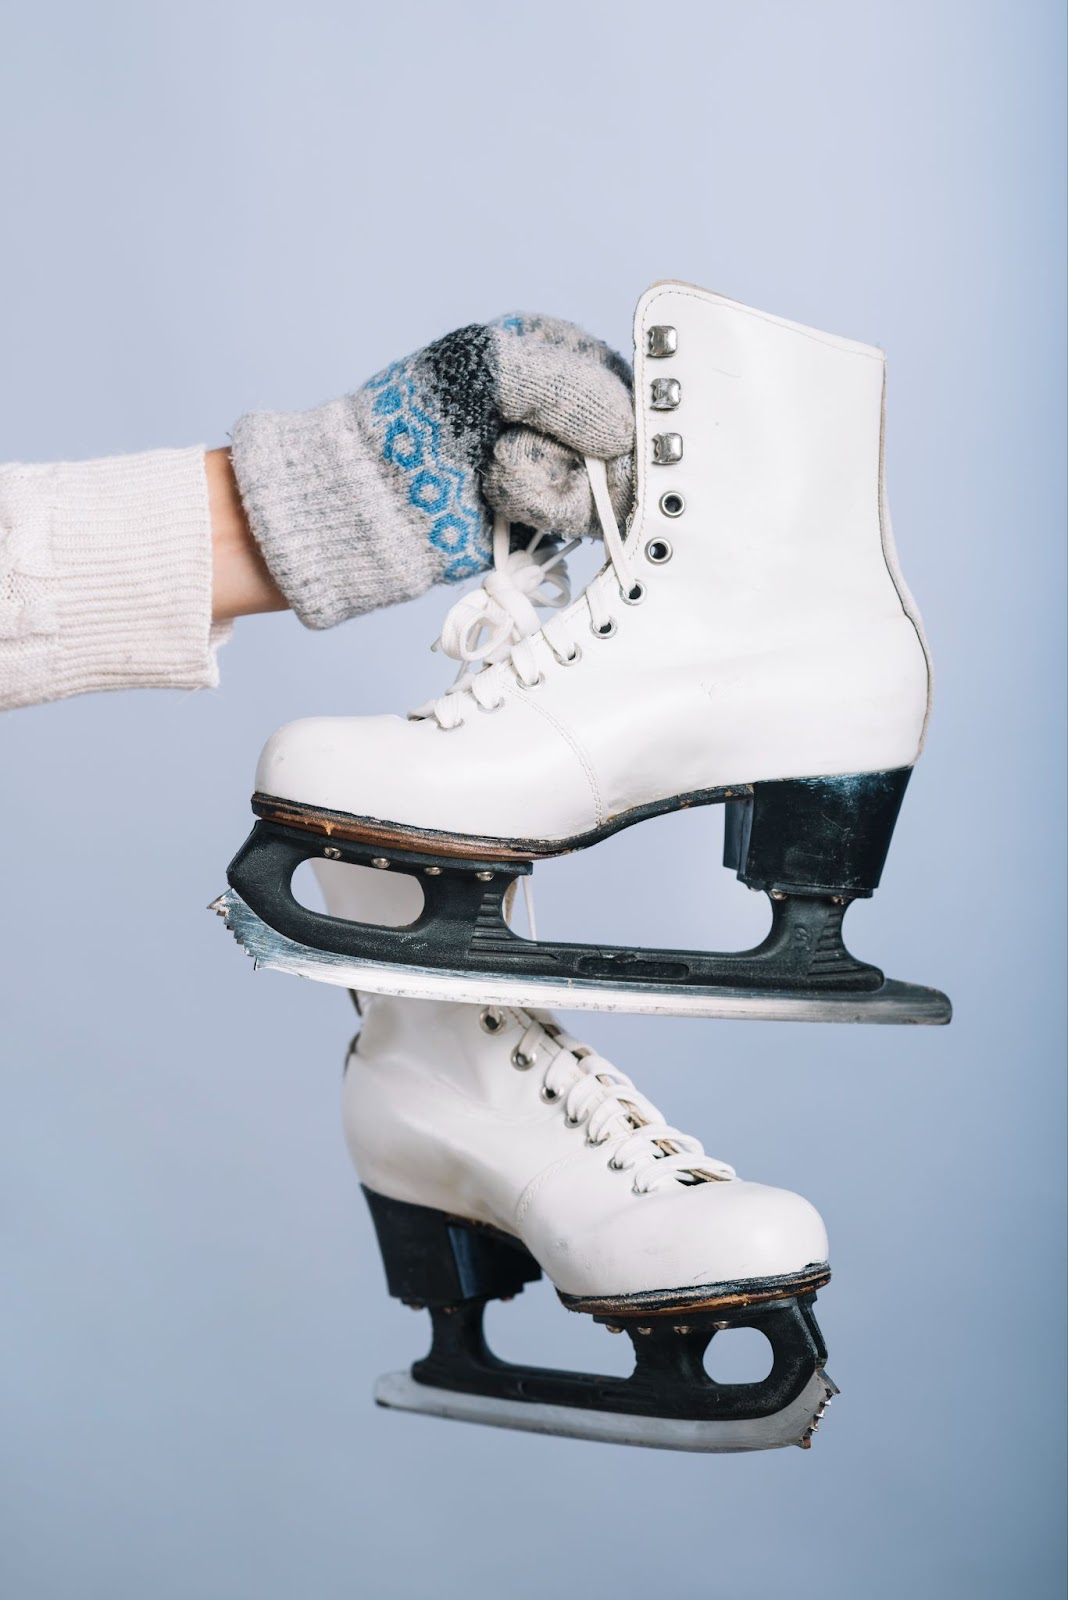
(372, 498)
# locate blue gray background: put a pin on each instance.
(208, 208)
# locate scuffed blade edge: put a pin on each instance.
(795, 1424)
(893, 1003)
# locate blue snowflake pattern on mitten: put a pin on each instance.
(446, 494)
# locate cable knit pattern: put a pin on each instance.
(105, 577)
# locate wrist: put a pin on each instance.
(241, 583)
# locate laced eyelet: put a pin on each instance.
(572, 1122)
(568, 661)
(522, 1062)
(605, 631)
(491, 1020)
(496, 706)
(658, 551)
(454, 727)
(634, 595)
(672, 504)
(548, 1095)
(536, 683)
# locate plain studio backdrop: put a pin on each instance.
(211, 208)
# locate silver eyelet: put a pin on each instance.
(672, 504)
(491, 1020)
(522, 1062)
(634, 596)
(569, 661)
(496, 706)
(572, 1122)
(548, 1095)
(605, 631)
(658, 551)
(537, 683)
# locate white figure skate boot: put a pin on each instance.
(491, 1147)
(749, 641)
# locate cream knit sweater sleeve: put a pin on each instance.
(105, 577)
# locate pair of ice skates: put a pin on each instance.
(749, 641)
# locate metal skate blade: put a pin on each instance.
(892, 1003)
(793, 1425)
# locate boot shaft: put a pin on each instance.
(760, 454)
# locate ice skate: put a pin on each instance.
(749, 641)
(493, 1147)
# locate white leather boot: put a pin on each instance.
(752, 626)
(491, 1144)
(749, 641)
(497, 1116)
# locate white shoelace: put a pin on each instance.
(593, 1091)
(498, 623)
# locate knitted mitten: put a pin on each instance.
(372, 498)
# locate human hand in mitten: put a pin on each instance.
(372, 498)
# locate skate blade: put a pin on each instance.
(795, 1424)
(892, 1003)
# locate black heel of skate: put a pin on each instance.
(432, 1259)
(815, 836)
(815, 845)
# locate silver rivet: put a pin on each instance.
(606, 629)
(719, 1326)
(613, 1327)
(661, 340)
(491, 1021)
(643, 1330)
(483, 877)
(672, 504)
(380, 861)
(667, 449)
(682, 1327)
(658, 551)
(331, 852)
(777, 894)
(432, 872)
(666, 394)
